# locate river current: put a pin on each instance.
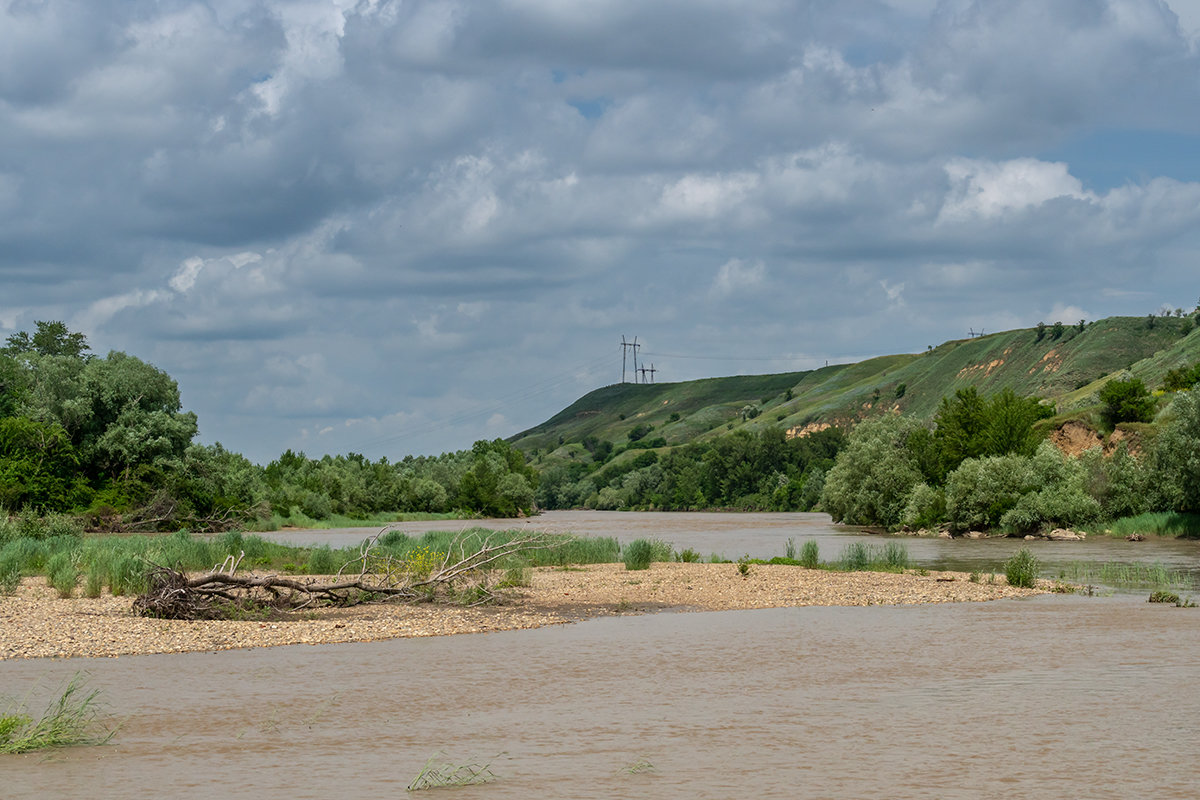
(1055, 696)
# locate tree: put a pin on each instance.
(12, 386)
(1009, 428)
(961, 423)
(1175, 457)
(50, 339)
(871, 480)
(1126, 401)
(37, 465)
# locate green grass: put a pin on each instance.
(1067, 370)
(1022, 569)
(121, 563)
(862, 557)
(73, 719)
(1126, 575)
(1160, 523)
(638, 554)
(810, 554)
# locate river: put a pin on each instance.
(1052, 696)
(765, 535)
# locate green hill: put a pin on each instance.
(1063, 364)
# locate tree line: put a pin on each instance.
(745, 471)
(107, 437)
(983, 464)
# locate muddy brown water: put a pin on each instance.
(1057, 696)
(765, 535)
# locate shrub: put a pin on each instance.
(638, 554)
(1022, 568)
(1161, 596)
(687, 556)
(981, 490)
(1126, 401)
(925, 508)
(10, 576)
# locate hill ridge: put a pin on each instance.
(1063, 364)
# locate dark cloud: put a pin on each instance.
(397, 227)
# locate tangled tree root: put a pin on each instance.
(466, 572)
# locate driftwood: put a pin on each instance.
(466, 573)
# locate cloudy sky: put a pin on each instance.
(394, 227)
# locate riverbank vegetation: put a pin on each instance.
(746, 471)
(980, 466)
(106, 439)
(74, 718)
(106, 442)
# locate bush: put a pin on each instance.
(926, 507)
(1126, 401)
(981, 490)
(687, 556)
(1176, 457)
(895, 556)
(1022, 568)
(638, 554)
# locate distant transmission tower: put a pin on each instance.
(975, 335)
(626, 346)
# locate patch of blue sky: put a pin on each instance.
(592, 108)
(1113, 157)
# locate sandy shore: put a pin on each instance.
(35, 623)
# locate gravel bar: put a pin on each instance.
(36, 623)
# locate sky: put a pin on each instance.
(395, 228)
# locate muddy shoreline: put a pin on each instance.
(35, 623)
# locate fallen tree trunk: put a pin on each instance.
(466, 573)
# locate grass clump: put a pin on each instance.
(687, 556)
(810, 554)
(71, 720)
(1157, 523)
(638, 554)
(861, 557)
(1162, 596)
(438, 773)
(1122, 575)
(321, 561)
(62, 573)
(1022, 569)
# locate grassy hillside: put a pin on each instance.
(1067, 366)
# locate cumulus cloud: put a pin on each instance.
(386, 214)
(736, 275)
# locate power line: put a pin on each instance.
(725, 358)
